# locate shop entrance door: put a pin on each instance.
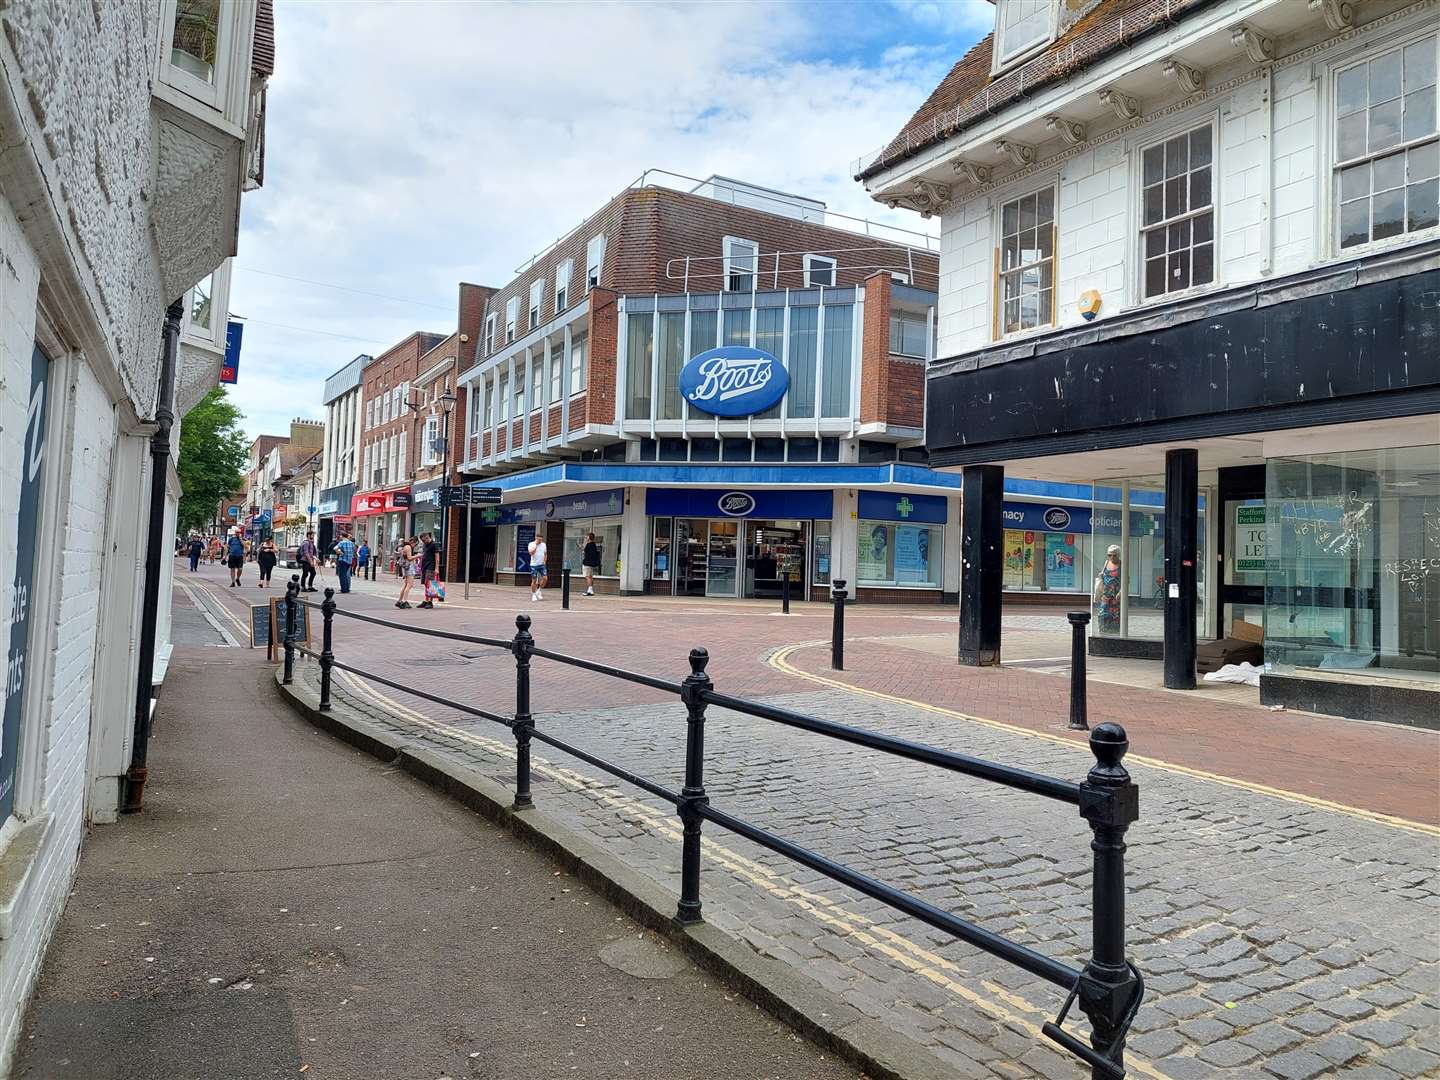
(722, 563)
(775, 550)
(1243, 547)
(689, 556)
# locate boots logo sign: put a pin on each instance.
(733, 381)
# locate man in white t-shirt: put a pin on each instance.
(538, 552)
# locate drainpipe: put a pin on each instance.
(159, 463)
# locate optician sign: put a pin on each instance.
(733, 381)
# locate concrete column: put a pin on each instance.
(634, 542)
(981, 564)
(1181, 523)
(844, 531)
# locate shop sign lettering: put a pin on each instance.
(736, 503)
(733, 381)
(1057, 519)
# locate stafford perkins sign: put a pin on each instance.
(733, 381)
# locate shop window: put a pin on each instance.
(819, 270)
(613, 452)
(897, 554)
(607, 539)
(820, 574)
(704, 449)
(703, 328)
(647, 449)
(741, 258)
(639, 348)
(672, 359)
(737, 450)
(769, 450)
(737, 326)
(660, 566)
(907, 335)
(1027, 263)
(803, 450)
(835, 378)
(1387, 157)
(1178, 210)
(674, 450)
(830, 449)
(804, 325)
(770, 336)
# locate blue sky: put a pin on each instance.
(440, 142)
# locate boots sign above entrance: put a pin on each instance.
(733, 381)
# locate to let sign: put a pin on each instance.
(1250, 544)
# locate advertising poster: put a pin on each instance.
(1019, 558)
(912, 553)
(1248, 528)
(873, 551)
(1060, 561)
(523, 535)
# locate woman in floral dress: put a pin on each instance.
(1107, 592)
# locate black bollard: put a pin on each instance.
(327, 654)
(785, 593)
(1079, 718)
(565, 588)
(524, 722)
(837, 628)
(693, 793)
(292, 593)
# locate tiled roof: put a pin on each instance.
(262, 53)
(969, 93)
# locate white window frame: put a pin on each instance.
(1328, 148)
(997, 289)
(216, 93)
(430, 436)
(563, 273)
(1136, 211)
(1002, 60)
(502, 399)
(537, 385)
(512, 313)
(903, 317)
(727, 259)
(579, 364)
(557, 374)
(489, 333)
(537, 297)
(820, 262)
(594, 261)
(517, 393)
(489, 399)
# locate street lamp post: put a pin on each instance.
(446, 401)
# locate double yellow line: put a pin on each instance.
(997, 1003)
(780, 661)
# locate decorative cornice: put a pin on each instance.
(1339, 15)
(926, 198)
(1191, 80)
(1072, 131)
(1125, 106)
(971, 171)
(1019, 154)
(1257, 46)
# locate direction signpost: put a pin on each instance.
(469, 496)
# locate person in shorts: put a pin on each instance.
(538, 577)
(405, 566)
(235, 559)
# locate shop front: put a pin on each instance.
(333, 509)
(380, 520)
(900, 545)
(426, 514)
(563, 522)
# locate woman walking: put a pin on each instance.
(266, 558)
(590, 561)
(1106, 594)
(405, 566)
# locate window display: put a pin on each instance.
(607, 537)
(892, 553)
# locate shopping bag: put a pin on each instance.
(435, 590)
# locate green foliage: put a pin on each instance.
(212, 453)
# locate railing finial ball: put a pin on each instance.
(699, 658)
(329, 594)
(1109, 744)
(522, 622)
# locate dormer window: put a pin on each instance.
(1021, 27)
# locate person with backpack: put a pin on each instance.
(590, 562)
(345, 555)
(235, 548)
(405, 566)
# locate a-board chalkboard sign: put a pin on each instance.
(267, 626)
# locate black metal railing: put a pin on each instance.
(1109, 987)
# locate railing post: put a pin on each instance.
(327, 654)
(693, 793)
(1079, 714)
(785, 592)
(524, 722)
(837, 628)
(292, 592)
(565, 588)
(1109, 801)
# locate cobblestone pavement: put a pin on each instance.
(1278, 939)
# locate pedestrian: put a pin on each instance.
(345, 561)
(266, 558)
(405, 565)
(429, 557)
(215, 549)
(590, 563)
(197, 548)
(236, 557)
(307, 556)
(1106, 593)
(538, 552)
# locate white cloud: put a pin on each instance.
(411, 146)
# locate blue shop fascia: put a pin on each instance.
(891, 531)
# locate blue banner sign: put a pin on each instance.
(588, 504)
(1040, 517)
(897, 506)
(719, 503)
(230, 369)
(735, 380)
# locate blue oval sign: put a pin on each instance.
(734, 381)
(735, 503)
(1057, 518)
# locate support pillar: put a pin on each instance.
(1181, 524)
(982, 536)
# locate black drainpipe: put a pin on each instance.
(154, 552)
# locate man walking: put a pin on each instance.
(196, 549)
(345, 556)
(235, 548)
(429, 558)
(308, 556)
(538, 578)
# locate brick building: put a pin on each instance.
(578, 409)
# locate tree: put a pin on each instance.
(212, 451)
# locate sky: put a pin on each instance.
(414, 145)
